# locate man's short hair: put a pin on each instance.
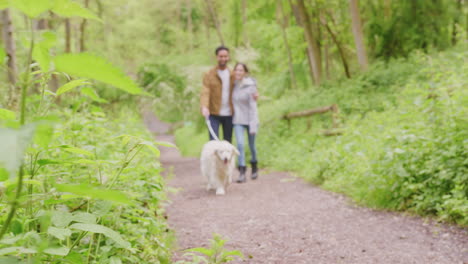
(220, 48)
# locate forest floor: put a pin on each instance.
(281, 219)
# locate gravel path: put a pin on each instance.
(281, 219)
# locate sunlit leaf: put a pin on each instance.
(91, 93)
(41, 51)
(89, 66)
(44, 134)
(70, 85)
(151, 147)
(76, 150)
(67, 8)
(31, 8)
(100, 229)
(85, 190)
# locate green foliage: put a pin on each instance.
(89, 66)
(166, 85)
(215, 254)
(409, 29)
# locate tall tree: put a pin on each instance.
(244, 22)
(67, 35)
(214, 17)
(10, 49)
(338, 44)
(82, 46)
(188, 4)
(358, 35)
(282, 21)
(312, 44)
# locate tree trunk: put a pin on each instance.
(456, 20)
(83, 29)
(67, 36)
(295, 10)
(340, 48)
(358, 35)
(282, 22)
(188, 4)
(10, 49)
(313, 49)
(244, 22)
(215, 20)
(387, 8)
(327, 61)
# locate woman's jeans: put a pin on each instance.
(239, 131)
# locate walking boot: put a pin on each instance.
(254, 174)
(242, 177)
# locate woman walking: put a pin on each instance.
(245, 118)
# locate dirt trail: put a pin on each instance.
(281, 219)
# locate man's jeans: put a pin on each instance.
(239, 130)
(226, 122)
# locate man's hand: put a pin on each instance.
(255, 96)
(205, 112)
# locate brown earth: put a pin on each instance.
(281, 219)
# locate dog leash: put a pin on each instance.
(212, 133)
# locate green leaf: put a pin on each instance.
(85, 218)
(9, 260)
(61, 251)
(7, 114)
(44, 162)
(85, 190)
(41, 51)
(4, 4)
(205, 251)
(89, 66)
(100, 229)
(32, 8)
(70, 85)
(61, 218)
(76, 150)
(60, 233)
(115, 260)
(150, 146)
(91, 93)
(15, 250)
(101, 208)
(13, 143)
(44, 134)
(67, 8)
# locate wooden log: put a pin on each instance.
(311, 112)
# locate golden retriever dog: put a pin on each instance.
(217, 163)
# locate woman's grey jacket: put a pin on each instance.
(245, 106)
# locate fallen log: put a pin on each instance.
(320, 110)
(310, 112)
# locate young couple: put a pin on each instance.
(229, 99)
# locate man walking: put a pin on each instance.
(215, 97)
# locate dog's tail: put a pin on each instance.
(208, 124)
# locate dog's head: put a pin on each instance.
(225, 155)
